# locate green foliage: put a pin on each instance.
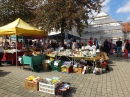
(49, 14)
(13, 9)
(65, 14)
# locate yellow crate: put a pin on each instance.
(66, 69)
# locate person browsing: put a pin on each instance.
(119, 47)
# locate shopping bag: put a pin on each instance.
(111, 51)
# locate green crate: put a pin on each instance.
(56, 68)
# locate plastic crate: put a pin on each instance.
(31, 85)
(66, 69)
(47, 88)
(56, 68)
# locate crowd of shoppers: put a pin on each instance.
(107, 46)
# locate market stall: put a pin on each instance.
(19, 27)
(80, 59)
(10, 55)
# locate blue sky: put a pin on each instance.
(117, 9)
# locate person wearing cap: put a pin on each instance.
(1, 52)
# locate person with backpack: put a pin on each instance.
(119, 47)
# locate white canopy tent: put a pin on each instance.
(103, 26)
(73, 32)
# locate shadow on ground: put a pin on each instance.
(113, 58)
(2, 73)
(70, 92)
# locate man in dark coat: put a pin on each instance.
(119, 47)
(106, 47)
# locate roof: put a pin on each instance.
(102, 25)
(20, 27)
(126, 27)
(73, 32)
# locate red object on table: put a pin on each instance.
(11, 56)
(104, 64)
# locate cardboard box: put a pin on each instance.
(31, 85)
(45, 66)
(78, 70)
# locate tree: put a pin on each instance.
(65, 14)
(13, 9)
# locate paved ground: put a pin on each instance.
(115, 83)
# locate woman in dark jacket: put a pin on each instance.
(106, 46)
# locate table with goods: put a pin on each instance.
(32, 59)
(10, 55)
(64, 61)
(80, 61)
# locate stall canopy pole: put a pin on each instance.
(16, 51)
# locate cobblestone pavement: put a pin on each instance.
(115, 83)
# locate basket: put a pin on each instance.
(47, 88)
(31, 85)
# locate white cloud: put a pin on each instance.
(128, 18)
(125, 8)
(106, 7)
(106, 2)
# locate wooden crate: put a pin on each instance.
(31, 85)
(78, 70)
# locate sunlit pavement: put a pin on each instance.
(115, 83)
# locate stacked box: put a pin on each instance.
(31, 85)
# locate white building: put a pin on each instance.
(103, 27)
